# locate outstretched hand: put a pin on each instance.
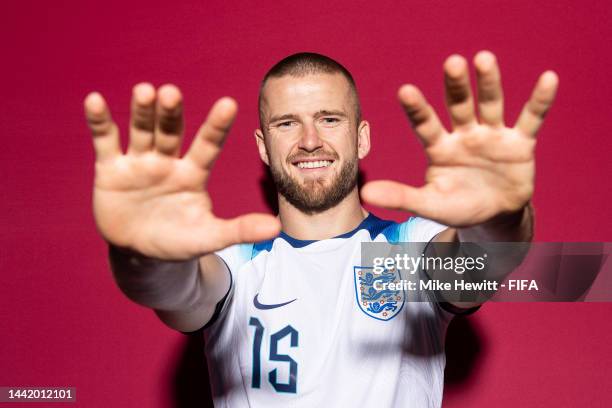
(481, 169)
(149, 199)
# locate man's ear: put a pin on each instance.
(363, 139)
(261, 146)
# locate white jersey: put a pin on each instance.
(292, 333)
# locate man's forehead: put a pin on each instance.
(313, 90)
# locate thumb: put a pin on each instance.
(245, 228)
(395, 196)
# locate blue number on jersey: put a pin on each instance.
(291, 386)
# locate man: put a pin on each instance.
(281, 318)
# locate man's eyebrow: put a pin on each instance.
(322, 112)
(325, 112)
(286, 116)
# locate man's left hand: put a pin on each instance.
(480, 170)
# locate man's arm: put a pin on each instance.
(514, 227)
(183, 294)
(152, 207)
(213, 286)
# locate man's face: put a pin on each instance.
(311, 139)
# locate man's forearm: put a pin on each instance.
(161, 285)
(515, 227)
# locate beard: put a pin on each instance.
(313, 195)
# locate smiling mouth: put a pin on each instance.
(313, 164)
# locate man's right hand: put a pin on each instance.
(152, 201)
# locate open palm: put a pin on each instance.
(149, 199)
(481, 169)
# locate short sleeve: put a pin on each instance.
(424, 230)
(418, 229)
(235, 256)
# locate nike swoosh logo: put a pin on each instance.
(261, 306)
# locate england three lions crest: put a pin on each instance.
(373, 295)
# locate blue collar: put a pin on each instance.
(372, 223)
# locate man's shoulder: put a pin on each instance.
(236, 255)
(413, 229)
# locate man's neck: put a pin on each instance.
(342, 218)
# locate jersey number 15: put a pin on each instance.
(290, 386)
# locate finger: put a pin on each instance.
(490, 94)
(459, 100)
(246, 228)
(535, 109)
(395, 196)
(422, 116)
(104, 130)
(209, 139)
(169, 120)
(142, 121)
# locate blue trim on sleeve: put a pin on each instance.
(261, 246)
(396, 232)
(376, 226)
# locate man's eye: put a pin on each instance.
(330, 121)
(285, 124)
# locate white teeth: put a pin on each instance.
(314, 164)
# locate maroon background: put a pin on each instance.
(63, 320)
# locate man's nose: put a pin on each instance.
(310, 140)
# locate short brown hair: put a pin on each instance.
(307, 63)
